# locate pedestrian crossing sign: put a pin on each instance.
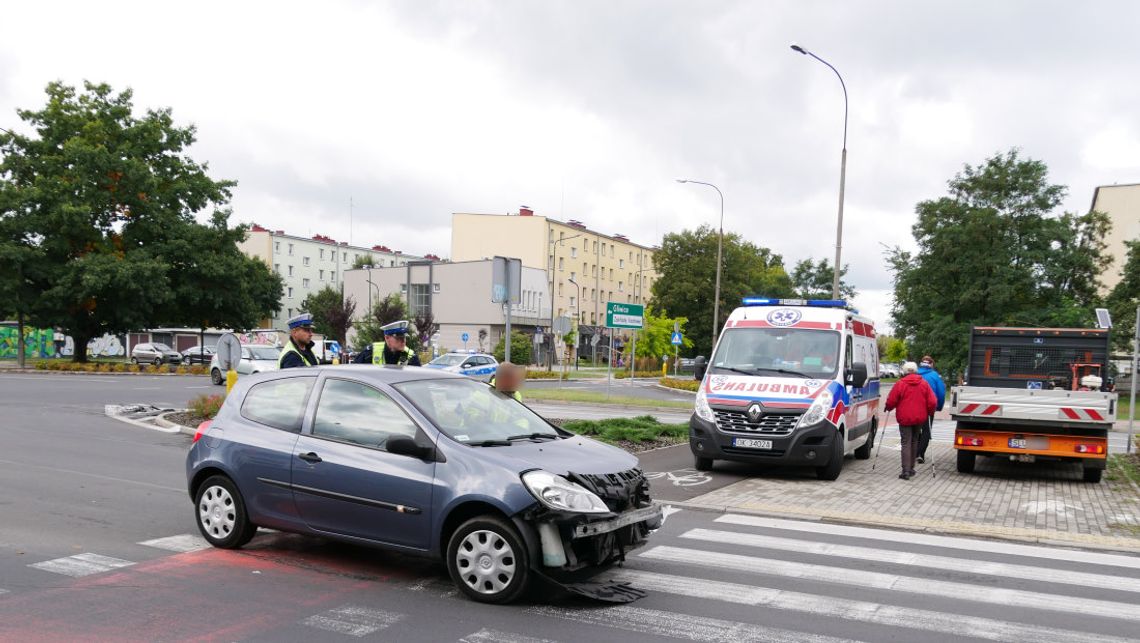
(677, 338)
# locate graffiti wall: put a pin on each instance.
(37, 342)
(262, 337)
(106, 346)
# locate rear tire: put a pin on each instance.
(1092, 475)
(487, 560)
(864, 452)
(158, 361)
(135, 361)
(702, 464)
(966, 460)
(216, 377)
(834, 466)
(220, 513)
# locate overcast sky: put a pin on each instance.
(590, 109)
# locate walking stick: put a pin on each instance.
(930, 426)
(876, 462)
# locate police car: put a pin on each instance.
(478, 365)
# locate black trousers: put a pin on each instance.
(924, 437)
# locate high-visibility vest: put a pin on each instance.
(516, 394)
(378, 354)
(290, 348)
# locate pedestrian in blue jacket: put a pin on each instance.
(926, 370)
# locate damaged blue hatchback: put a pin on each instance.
(421, 461)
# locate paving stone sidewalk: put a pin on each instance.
(1040, 502)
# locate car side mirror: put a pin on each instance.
(857, 375)
(699, 367)
(404, 445)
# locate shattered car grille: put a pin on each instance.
(620, 491)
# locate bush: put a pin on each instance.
(520, 348)
(619, 375)
(544, 375)
(684, 385)
(206, 406)
(644, 428)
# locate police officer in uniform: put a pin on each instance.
(393, 350)
(299, 350)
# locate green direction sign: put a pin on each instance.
(620, 315)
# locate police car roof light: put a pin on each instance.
(818, 303)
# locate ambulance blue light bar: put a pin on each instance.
(818, 303)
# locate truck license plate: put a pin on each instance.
(1018, 443)
(749, 443)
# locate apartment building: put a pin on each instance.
(307, 265)
(584, 268)
(1122, 205)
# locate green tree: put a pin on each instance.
(813, 280)
(896, 350)
(520, 348)
(1124, 299)
(655, 339)
(106, 201)
(332, 313)
(686, 279)
(994, 252)
(385, 311)
(364, 260)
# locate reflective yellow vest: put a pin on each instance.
(378, 354)
(516, 394)
(290, 348)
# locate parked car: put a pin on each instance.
(155, 353)
(255, 358)
(419, 461)
(890, 370)
(478, 365)
(198, 355)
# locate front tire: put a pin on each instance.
(220, 513)
(158, 361)
(487, 560)
(135, 361)
(966, 461)
(702, 464)
(830, 471)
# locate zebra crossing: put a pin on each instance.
(735, 577)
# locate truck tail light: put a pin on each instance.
(1090, 448)
(969, 442)
(202, 428)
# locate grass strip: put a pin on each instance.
(592, 397)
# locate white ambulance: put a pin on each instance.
(791, 382)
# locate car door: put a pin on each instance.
(245, 364)
(346, 482)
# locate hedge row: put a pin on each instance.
(684, 385)
(121, 367)
(621, 375)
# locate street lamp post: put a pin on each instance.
(577, 311)
(842, 174)
(719, 250)
(554, 295)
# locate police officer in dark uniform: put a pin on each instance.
(393, 350)
(299, 350)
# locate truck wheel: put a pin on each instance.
(702, 464)
(966, 461)
(864, 452)
(487, 560)
(830, 471)
(1092, 475)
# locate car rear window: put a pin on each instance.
(278, 403)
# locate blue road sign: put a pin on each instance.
(677, 339)
(464, 337)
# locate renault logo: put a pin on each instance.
(754, 412)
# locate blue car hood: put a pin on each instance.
(576, 454)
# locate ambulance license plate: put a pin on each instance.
(1018, 443)
(749, 443)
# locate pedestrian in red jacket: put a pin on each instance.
(913, 401)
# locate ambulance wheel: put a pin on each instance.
(966, 461)
(864, 452)
(830, 471)
(702, 464)
(1092, 475)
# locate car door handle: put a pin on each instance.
(310, 457)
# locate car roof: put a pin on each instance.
(385, 374)
(469, 354)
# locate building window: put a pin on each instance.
(573, 275)
(572, 301)
(620, 288)
(596, 247)
(621, 263)
(419, 303)
(594, 270)
(561, 263)
(290, 271)
(334, 276)
(322, 253)
(305, 283)
(290, 250)
(345, 259)
(276, 314)
(611, 274)
(560, 289)
(321, 275)
(277, 268)
(290, 313)
(290, 296)
(403, 288)
(573, 252)
(435, 288)
(305, 261)
(276, 246)
(550, 262)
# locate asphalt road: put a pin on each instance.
(98, 542)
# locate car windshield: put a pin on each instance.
(264, 352)
(448, 360)
(778, 351)
(472, 412)
(161, 347)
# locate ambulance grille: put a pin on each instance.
(769, 424)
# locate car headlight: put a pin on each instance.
(703, 410)
(559, 493)
(818, 409)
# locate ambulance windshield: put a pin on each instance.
(778, 352)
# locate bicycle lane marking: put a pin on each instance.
(672, 476)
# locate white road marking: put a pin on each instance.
(352, 620)
(987, 568)
(666, 511)
(182, 543)
(681, 626)
(859, 578)
(81, 565)
(863, 611)
(495, 636)
(949, 542)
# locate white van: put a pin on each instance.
(791, 382)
